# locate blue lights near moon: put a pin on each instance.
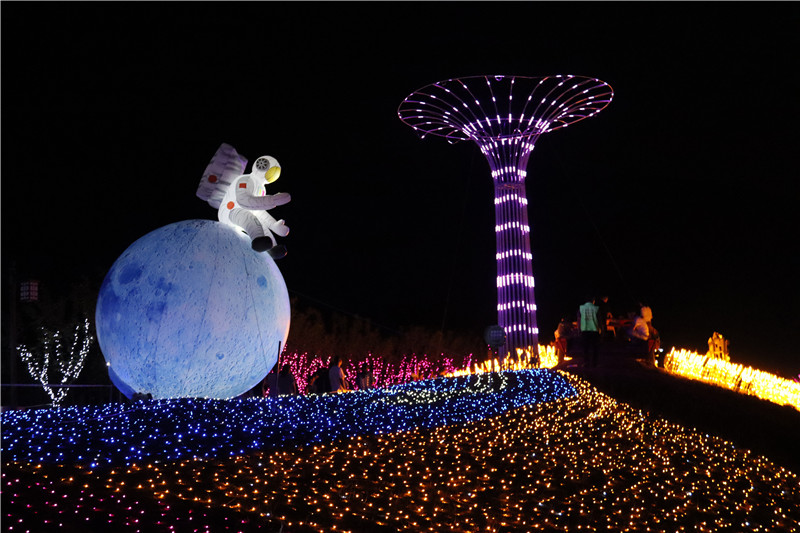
(190, 310)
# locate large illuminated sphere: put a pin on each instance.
(190, 310)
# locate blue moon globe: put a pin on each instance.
(190, 310)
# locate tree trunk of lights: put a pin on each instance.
(516, 303)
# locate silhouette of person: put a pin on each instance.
(269, 387)
(640, 332)
(287, 385)
(562, 335)
(603, 312)
(365, 378)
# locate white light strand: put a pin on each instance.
(524, 228)
(514, 253)
(515, 279)
(516, 304)
(511, 198)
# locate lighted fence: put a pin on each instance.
(733, 376)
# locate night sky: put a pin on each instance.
(681, 194)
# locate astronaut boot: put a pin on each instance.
(280, 228)
(277, 252)
(261, 244)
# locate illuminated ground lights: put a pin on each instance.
(733, 376)
(171, 430)
(579, 463)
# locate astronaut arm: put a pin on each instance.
(247, 200)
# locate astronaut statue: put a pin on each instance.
(241, 199)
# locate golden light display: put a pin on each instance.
(584, 463)
(524, 360)
(733, 376)
(708, 368)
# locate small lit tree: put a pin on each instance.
(49, 360)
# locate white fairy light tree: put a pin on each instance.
(50, 359)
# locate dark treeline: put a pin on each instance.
(327, 332)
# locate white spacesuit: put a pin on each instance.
(241, 199)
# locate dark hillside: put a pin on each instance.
(759, 425)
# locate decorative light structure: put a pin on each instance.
(41, 365)
(505, 115)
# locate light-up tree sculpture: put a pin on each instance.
(505, 115)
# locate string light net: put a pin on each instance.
(505, 115)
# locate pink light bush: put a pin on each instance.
(386, 373)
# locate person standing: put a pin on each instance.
(287, 385)
(653, 338)
(336, 375)
(603, 314)
(318, 382)
(562, 335)
(269, 387)
(640, 332)
(365, 378)
(589, 324)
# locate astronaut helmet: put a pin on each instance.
(268, 167)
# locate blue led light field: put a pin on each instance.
(489, 452)
(168, 430)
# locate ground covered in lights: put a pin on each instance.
(534, 450)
